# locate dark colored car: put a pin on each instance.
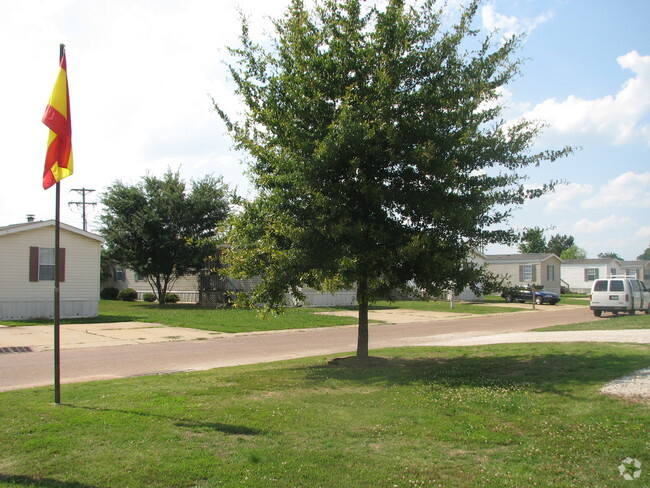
(525, 295)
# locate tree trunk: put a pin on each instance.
(362, 300)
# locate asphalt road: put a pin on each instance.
(26, 370)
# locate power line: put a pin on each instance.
(83, 203)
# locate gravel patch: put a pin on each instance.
(636, 384)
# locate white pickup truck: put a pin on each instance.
(619, 294)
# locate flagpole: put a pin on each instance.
(57, 299)
(57, 294)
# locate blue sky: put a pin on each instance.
(141, 74)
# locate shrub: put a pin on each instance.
(128, 295)
(172, 298)
(109, 293)
(149, 297)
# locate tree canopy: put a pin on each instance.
(162, 229)
(645, 255)
(533, 241)
(611, 255)
(574, 252)
(559, 243)
(377, 150)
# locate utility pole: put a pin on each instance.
(83, 203)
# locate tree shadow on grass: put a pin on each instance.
(227, 429)
(554, 371)
(20, 480)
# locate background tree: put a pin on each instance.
(611, 255)
(574, 252)
(559, 243)
(378, 152)
(645, 256)
(533, 241)
(162, 229)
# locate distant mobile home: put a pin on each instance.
(27, 271)
(523, 270)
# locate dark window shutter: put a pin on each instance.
(586, 275)
(62, 264)
(534, 273)
(521, 274)
(33, 264)
(596, 274)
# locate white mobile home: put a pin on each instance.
(27, 271)
(579, 274)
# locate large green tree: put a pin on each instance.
(574, 252)
(645, 255)
(559, 243)
(377, 150)
(163, 228)
(533, 241)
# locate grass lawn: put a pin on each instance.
(243, 320)
(494, 416)
(607, 322)
(444, 306)
(198, 317)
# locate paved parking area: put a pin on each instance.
(40, 337)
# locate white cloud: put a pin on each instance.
(630, 190)
(509, 26)
(565, 195)
(643, 231)
(620, 118)
(613, 222)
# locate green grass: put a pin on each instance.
(494, 416)
(243, 320)
(444, 306)
(575, 299)
(607, 322)
(198, 317)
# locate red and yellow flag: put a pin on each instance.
(58, 160)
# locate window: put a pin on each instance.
(591, 274)
(119, 273)
(600, 285)
(646, 274)
(612, 271)
(527, 273)
(45, 264)
(616, 285)
(550, 273)
(140, 277)
(41, 264)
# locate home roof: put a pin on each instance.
(592, 261)
(25, 226)
(520, 257)
(642, 263)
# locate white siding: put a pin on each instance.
(573, 274)
(20, 298)
(320, 299)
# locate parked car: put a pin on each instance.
(526, 295)
(619, 294)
